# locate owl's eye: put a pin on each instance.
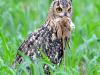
(69, 10)
(59, 9)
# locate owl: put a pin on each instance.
(52, 37)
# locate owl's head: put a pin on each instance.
(61, 8)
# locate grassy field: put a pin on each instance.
(18, 18)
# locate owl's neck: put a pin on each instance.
(60, 26)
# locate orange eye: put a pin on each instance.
(59, 9)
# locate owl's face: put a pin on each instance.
(62, 8)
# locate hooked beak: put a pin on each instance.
(66, 14)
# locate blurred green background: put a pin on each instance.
(18, 18)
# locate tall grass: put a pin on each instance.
(18, 18)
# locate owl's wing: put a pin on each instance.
(24, 48)
(46, 40)
(27, 46)
(32, 43)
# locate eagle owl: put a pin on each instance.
(52, 36)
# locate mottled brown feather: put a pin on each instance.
(50, 38)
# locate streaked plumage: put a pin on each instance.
(51, 37)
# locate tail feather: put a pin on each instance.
(17, 61)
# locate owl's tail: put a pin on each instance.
(17, 61)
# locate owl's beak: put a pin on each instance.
(65, 14)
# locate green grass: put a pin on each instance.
(20, 17)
